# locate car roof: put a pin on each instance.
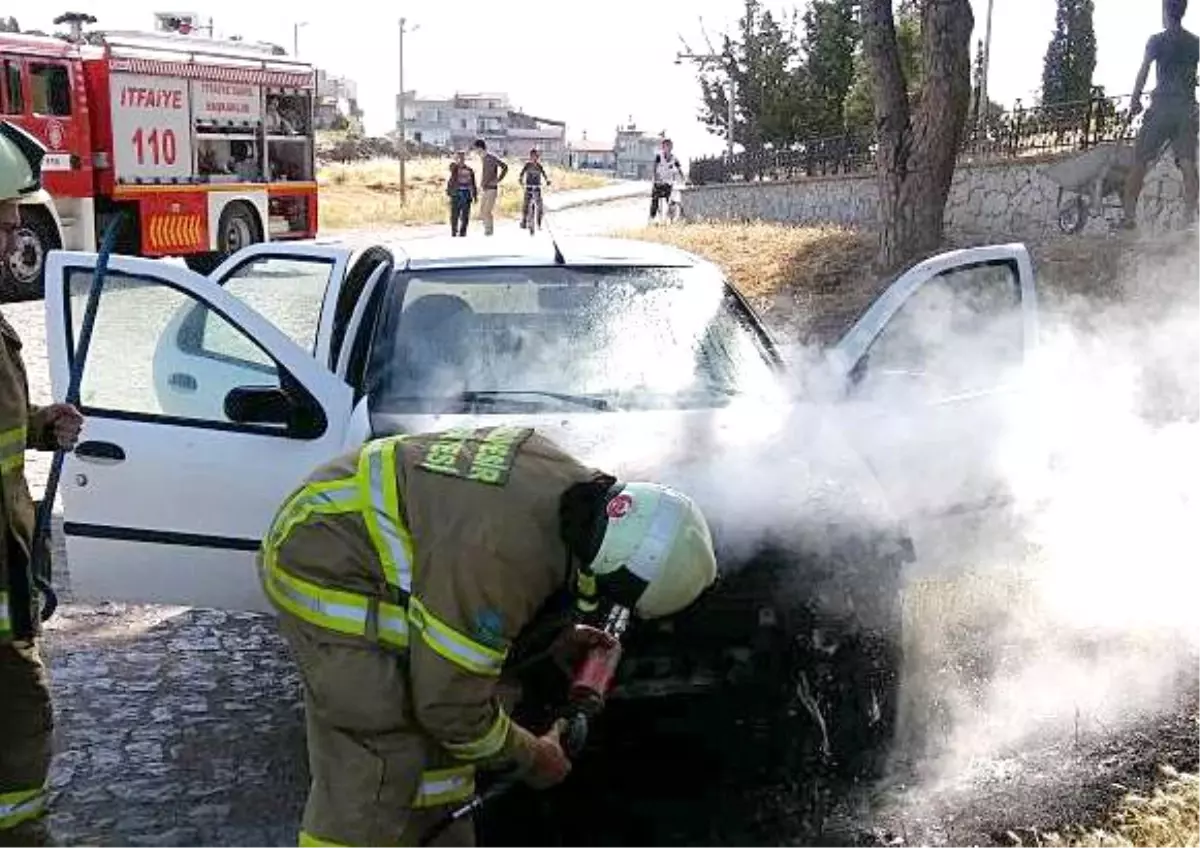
(519, 249)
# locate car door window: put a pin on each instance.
(286, 290)
(139, 364)
(961, 331)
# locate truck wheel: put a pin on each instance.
(237, 228)
(22, 277)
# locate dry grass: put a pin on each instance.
(820, 276)
(366, 194)
(1168, 817)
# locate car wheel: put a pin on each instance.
(22, 276)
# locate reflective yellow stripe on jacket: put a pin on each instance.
(12, 449)
(438, 787)
(373, 493)
(17, 807)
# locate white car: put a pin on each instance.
(208, 398)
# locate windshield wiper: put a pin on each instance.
(493, 396)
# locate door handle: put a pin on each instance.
(100, 452)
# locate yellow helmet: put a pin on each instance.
(656, 555)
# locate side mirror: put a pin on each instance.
(273, 405)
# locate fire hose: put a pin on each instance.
(590, 684)
(40, 558)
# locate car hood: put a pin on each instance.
(760, 473)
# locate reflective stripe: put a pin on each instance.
(16, 807)
(381, 509)
(12, 450)
(307, 840)
(332, 609)
(445, 786)
(647, 560)
(5, 621)
(488, 745)
(393, 625)
(449, 643)
(328, 498)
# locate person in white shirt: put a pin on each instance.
(667, 171)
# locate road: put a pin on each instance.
(180, 726)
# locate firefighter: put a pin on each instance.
(404, 572)
(26, 715)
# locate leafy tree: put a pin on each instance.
(918, 137)
(860, 100)
(831, 37)
(762, 61)
(1071, 56)
(9, 24)
(983, 115)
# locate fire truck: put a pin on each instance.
(205, 145)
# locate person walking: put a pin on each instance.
(26, 711)
(463, 191)
(492, 171)
(1172, 117)
(405, 571)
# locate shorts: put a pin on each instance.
(1173, 122)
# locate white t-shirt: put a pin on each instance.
(667, 169)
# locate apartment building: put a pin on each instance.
(453, 123)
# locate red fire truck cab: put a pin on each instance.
(206, 145)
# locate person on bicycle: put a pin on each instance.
(531, 177)
(667, 171)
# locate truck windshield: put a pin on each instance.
(502, 340)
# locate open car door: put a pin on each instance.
(202, 413)
(930, 376)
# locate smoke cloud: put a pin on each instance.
(1051, 494)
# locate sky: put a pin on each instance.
(594, 65)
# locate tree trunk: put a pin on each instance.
(917, 153)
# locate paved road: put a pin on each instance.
(180, 726)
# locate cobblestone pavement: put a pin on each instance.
(178, 726)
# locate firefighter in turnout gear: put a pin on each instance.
(404, 571)
(26, 715)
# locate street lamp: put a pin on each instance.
(402, 141)
(704, 60)
(296, 37)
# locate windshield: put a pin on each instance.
(558, 338)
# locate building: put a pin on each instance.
(635, 152)
(630, 156)
(336, 104)
(590, 155)
(454, 123)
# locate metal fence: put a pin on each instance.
(1011, 134)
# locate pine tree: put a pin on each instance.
(1071, 56)
(831, 37)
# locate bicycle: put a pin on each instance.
(534, 208)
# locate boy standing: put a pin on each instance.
(494, 170)
(463, 191)
(1172, 117)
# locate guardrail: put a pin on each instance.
(1011, 134)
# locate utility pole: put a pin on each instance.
(296, 37)
(987, 55)
(704, 60)
(401, 142)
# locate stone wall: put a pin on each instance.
(1009, 199)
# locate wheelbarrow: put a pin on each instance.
(1091, 178)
